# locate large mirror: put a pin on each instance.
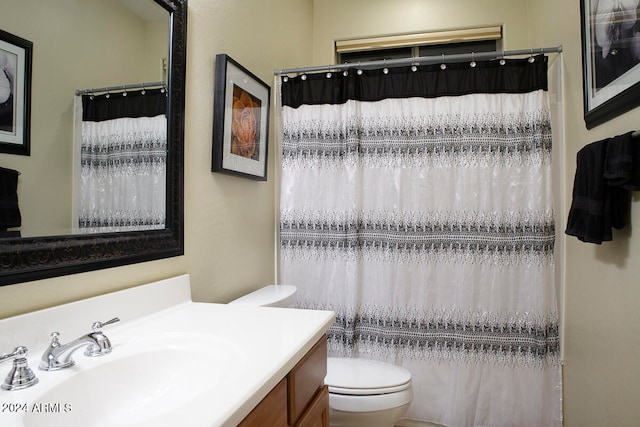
(77, 45)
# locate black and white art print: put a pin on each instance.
(610, 58)
(15, 94)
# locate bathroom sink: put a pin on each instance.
(174, 362)
(145, 382)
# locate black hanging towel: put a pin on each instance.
(606, 172)
(9, 211)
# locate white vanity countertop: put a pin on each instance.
(248, 350)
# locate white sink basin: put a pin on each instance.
(174, 362)
(145, 382)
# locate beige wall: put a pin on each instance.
(602, 297)
(340, 19)
(229, 221)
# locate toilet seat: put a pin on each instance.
(366, 392)
(362, 377)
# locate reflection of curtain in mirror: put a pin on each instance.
(123, 162)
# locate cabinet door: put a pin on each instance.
(271, 411)
(317, 415)
(306, 379)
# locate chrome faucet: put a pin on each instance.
(20, 376)
(58, 356)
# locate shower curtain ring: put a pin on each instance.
(502, 60)
(124, 88)
(443, 66)
(473, 60)
(531, 58)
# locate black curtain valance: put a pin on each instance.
(428, 81)
(97, 108)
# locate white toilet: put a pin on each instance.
(362, 393)
(366, 393)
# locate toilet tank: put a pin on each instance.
(270, 296)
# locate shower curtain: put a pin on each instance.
(123, 162)
(416, 203)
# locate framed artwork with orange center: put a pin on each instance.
(240, 121)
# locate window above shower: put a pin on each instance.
(449, 42)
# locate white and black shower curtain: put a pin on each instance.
(417, 205)
(123, 162)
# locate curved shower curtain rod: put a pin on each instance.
(421, 60)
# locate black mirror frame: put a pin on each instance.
(27, 259)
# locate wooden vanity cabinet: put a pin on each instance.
(317, 414)
(271, 411)
(301, 399)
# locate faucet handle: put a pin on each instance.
(99, 325)
(54, 339)
(20, 376)
(103, 345)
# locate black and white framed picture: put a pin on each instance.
(15, 94)
(610, 58)
(240, 121)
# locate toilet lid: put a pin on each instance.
(271, 295)
(364, 377)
